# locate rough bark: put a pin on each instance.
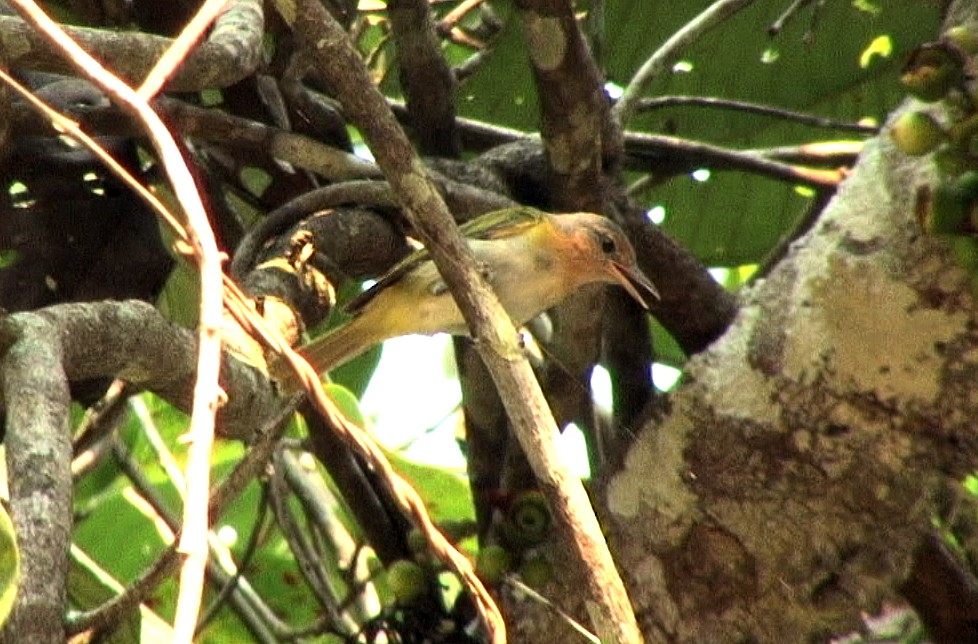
(231, 52)
(796, 474)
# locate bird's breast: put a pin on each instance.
(527, 280)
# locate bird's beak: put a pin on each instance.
(635, 282)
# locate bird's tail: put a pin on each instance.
(327, 352)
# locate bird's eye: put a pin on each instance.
(607, 244)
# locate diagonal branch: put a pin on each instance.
(207, 396)
(232, 51)
(495, 336)
(657, 63)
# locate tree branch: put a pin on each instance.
(494, 334)
(35, 392)
(232, 51)
(655, 66)
(132, 340)
(576, 127)
(425, 78)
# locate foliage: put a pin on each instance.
(841, 63)
(827, 64)
(9, 565)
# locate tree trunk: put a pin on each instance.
(797, 472)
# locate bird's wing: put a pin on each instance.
(391, 277)
(498, 224)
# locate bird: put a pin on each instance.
(532, 260)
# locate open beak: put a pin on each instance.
(635, 282)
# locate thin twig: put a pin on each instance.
(81, 559)
(322, 512)
(519, 586)
(654, 67)
(157, 444)
(821, 154)
(775, 28)
(243, 473)
(315, 574)
(455, 16)
(649, 104)
(195, 520)
(178, 50)
(251, 547)
(207, 394)
(93, 438)
(684, 155)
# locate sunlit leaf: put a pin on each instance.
(880, 46)
(89, 586)
(346, 401)
(735, 218)
(445, 492)
(179, 300)
(255, 180)
(9, 565)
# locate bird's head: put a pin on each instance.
(600, 252)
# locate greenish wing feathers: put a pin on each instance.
(498, 224)
(356, 304)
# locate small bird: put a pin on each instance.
(532, 260)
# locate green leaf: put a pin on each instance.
(255, 180)
(9, 565)
(667, 350)
(346, 401)
(735, 218)
(9, 257)
(841, 70)
(180, 300)
(119, 537)
(89, 585)
(502, 90)
(446, 493)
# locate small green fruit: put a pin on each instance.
(951, 206)
(917, 133)
(406, 580)
(492, 563)
(528, 518)
(536, 572)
